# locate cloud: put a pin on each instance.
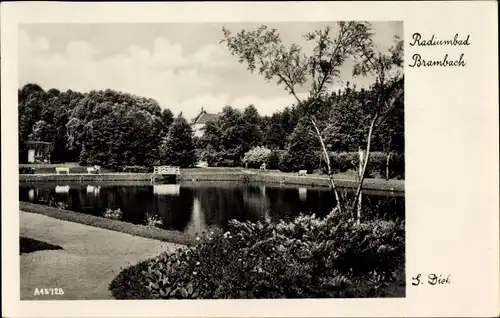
(180, 77)
(165, 73)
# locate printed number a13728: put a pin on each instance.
(48, 291)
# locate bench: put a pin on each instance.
(302, 172)
(62, 169)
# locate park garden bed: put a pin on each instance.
(306, 258)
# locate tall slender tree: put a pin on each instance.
(178, 148)
(262, 50)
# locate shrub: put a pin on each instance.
(256, 156)
(128, 283)
(136, 169)
(303, 151)
(26, 170)
(54, 204)
(113, 214)
(152, 220)
(62, 205)
(219, 158)
(344, 161)
(305, 258)
(295, 161)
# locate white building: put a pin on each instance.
(200, 121)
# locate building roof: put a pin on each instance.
(204, 117)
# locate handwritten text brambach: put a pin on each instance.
(445, 62)
(417, 40)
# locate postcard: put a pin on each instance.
(250, 159)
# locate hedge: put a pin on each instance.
(137, 169)
(345, 161)
(377, 163)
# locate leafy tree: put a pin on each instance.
(302, 152)
(278, 127)
(250, 134)
(31, 103)
(226, 138)
(178, 148)
(109, 128)
(167, 118)
(345, 129)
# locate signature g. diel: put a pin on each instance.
(432, 279)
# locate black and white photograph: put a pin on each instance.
(211, 160)
(250, 159)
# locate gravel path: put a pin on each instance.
(90, 259)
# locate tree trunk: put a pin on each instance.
(365, 162)
(327, 159)
(387, 166)
(360, 199)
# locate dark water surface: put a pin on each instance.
(193, 207)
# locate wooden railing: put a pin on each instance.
(167, 170)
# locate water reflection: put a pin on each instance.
(195, 207)
(166, 189)
(93, 190)
(31, 194)
(197, 222)
(62, 189)
(303, 194)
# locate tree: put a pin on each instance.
(178, 148)
(388, 90)
(167, 117)
(263, 50)
(227, 137)
(345, 129)
(31, 101)
(302, 149)
(389, 136)
(251, 135)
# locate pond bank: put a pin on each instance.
(108, 224)
(82, 249)
(226, 175)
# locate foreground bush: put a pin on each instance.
(305, 258)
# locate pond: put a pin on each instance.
(193, 207)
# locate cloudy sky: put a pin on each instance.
(182, 66)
